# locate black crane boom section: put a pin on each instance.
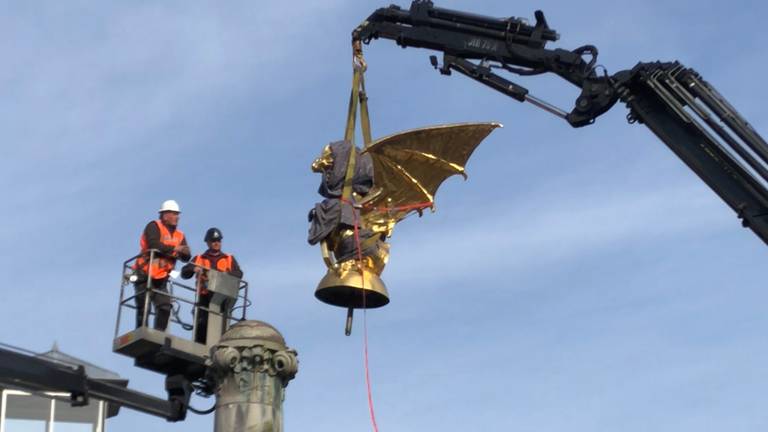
(36, 374)
(674, 102)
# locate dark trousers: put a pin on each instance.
(201, 324)
(162, 302)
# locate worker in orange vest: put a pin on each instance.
(169, 244)
(212, 259)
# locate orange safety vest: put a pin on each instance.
(224, 264)
(162, 264)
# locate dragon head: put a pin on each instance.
(324, 161)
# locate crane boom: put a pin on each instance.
(673, 101)
(36, 374)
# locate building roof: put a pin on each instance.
(91, 369)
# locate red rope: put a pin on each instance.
(416, 206)
(365, 319)
(367, 375)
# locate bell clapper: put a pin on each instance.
(348, 326)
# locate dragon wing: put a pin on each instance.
(410, 166)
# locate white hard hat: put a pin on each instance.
(170, 205)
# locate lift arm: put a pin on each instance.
(705, 132)
(35, 374)
(673, 101)
(502, 43)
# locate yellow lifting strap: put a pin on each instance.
(356, 96)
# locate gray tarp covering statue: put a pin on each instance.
(332, 215)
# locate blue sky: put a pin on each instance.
(580, 280)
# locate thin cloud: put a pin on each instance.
(562, 229)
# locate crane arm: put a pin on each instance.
(510, 44)
(36, 374)
(673, 101)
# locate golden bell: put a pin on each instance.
(352, 290)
